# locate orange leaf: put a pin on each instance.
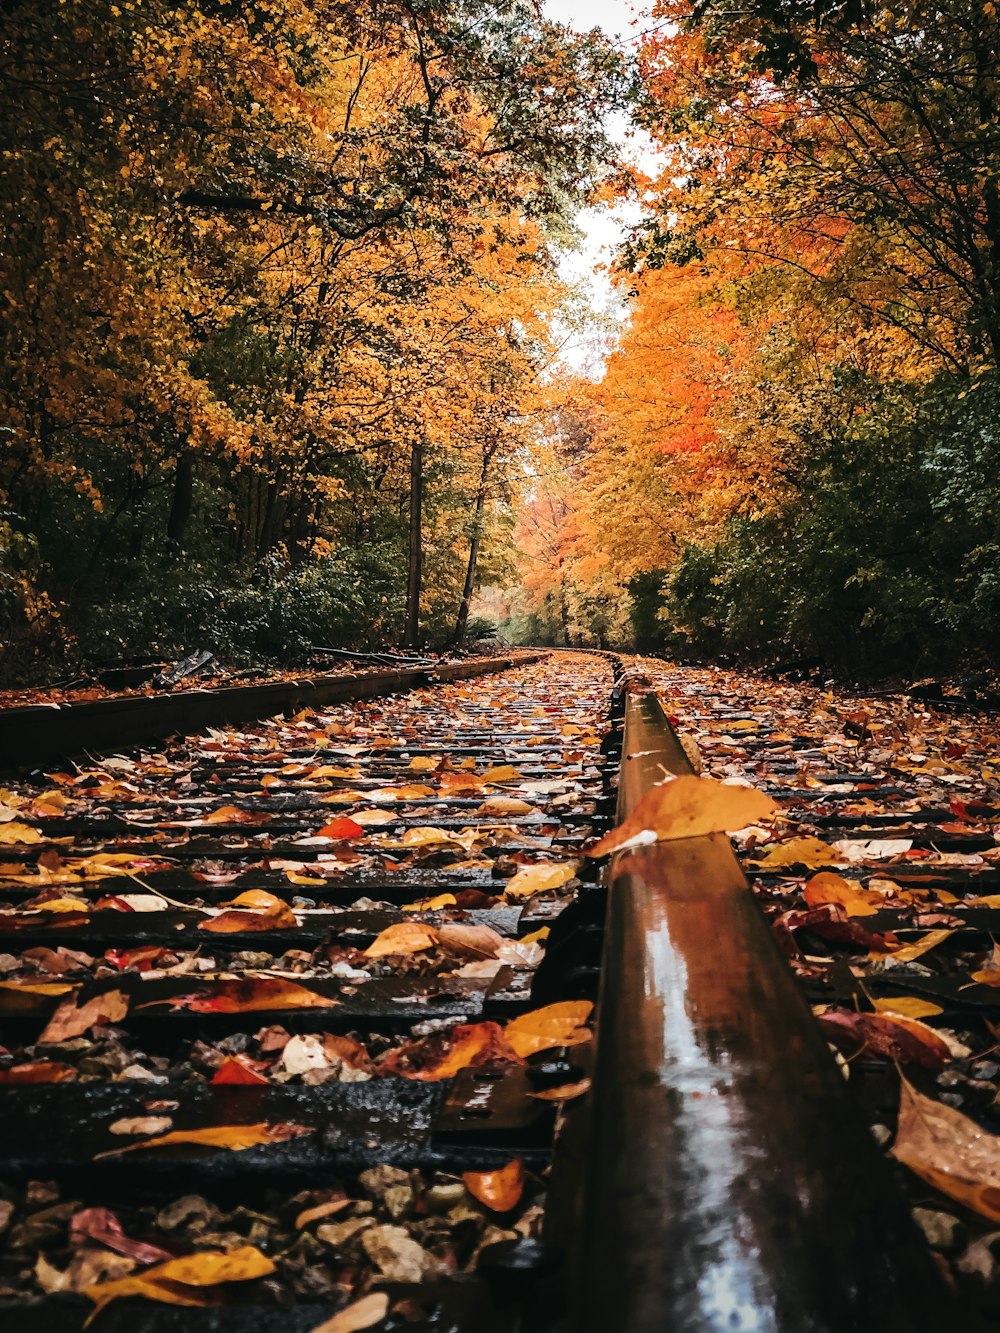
(178, 1281)
(828, 887)
(232, 814)
(249, 994)
(341, 830)
(41, 1071)
(405, 937)
(468, 1044)
(687, 807)
(235, 1138)
(72, 1020)
(498, 1190)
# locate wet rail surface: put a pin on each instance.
(299, 1002)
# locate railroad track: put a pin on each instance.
(297, 1022)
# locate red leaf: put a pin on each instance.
(235, 1070)
(341, 830)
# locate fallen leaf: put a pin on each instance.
(504, 805)
(893, 1038)
(538, 879)
(341, 830)
(370, 1310)
(949, 1151)
(38, 987)
(249, 995)
(499, 1190)
(232, 814)
(431, 904)
(16, 832)
(828, 887)
(403, 938)
(141, 1124)
(908, 952)
(425, 836)
(178, 1281)
(442, 1055)
(554, 1025)
(907, 1006)
(237, 1071)
(73, 1020)
(563, 1093)
(809, 852)
(321, 1210)
(102, 1225)
(469, 941)
(37, 1071)
(235, 1138)
(687, 807)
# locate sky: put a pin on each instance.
(603, 228)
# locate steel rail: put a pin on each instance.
(729, 1182)
(33, 733)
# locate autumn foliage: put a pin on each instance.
(790, 453)
(275, 282)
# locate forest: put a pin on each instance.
(282, 310)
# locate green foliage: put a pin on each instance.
(887, 560)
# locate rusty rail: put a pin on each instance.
(38, 732)
(729, 1181)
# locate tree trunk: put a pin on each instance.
(462, 620)
(182, 500)
(416, 553)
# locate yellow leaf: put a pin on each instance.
(431, 904)
(539, 878)
(911, 951)
(63, 904)
(537, 936)
(907, 1006)
(37, 987)
(554, 1025)
(166, 1282)
(501, 773)
(687, 807)
(808, 852)
(15, 832)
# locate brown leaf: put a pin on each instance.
(687, 807)
(949, 1151)
(365, 1313)
(73, 1020)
